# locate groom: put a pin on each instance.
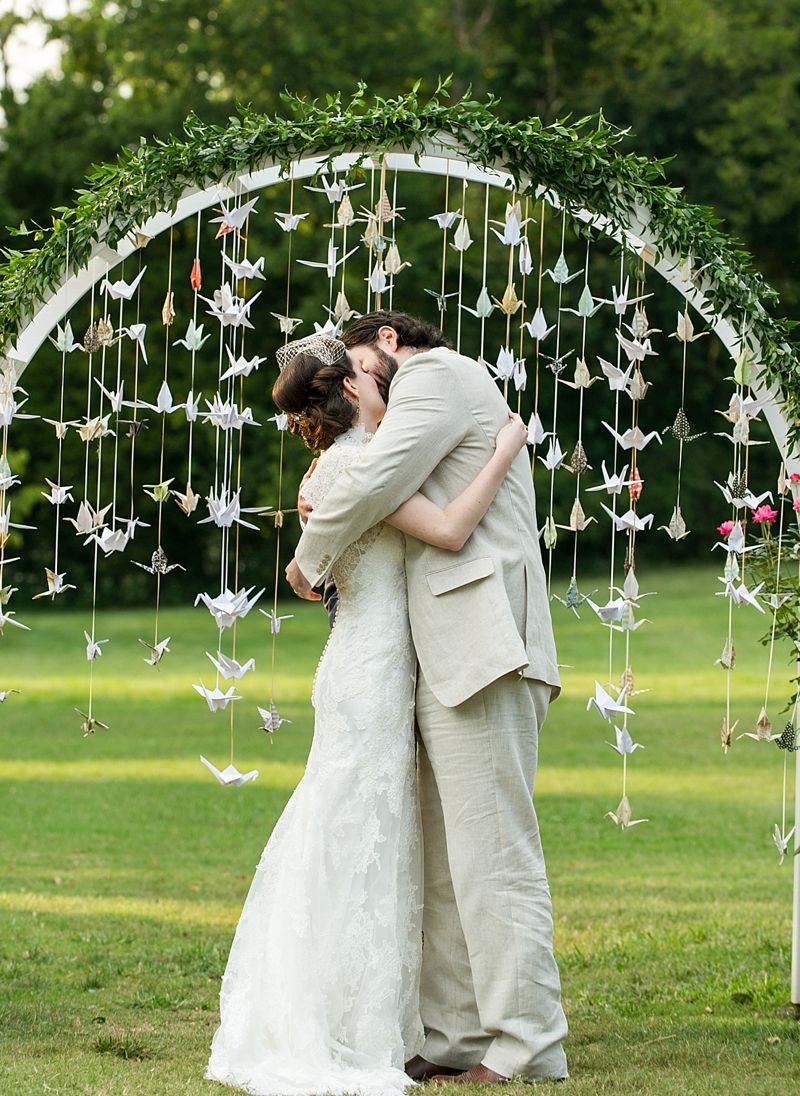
(490, 992)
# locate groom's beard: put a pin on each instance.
(384, 371)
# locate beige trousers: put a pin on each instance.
(490, 989)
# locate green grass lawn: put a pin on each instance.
(125, 864)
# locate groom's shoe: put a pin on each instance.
(478, 1075)
(420, 1069)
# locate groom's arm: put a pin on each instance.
(426, 419)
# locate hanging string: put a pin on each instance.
(160, 501)
(554, 435)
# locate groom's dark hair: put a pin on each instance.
(411, 331)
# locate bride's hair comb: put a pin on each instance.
(327, 349)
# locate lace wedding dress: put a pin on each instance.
(320, 992)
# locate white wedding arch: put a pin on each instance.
(463, 148)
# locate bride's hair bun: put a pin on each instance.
(312, 395)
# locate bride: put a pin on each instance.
(320, 991)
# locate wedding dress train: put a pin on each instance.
(320, 991)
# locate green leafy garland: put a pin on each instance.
(581, 162)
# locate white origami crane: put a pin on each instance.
(618, 380)
(164, 405)
(230, 775)
(447, 219)
(329, 329)
(226, 415)
(605, 705)
(377, 279)
(635, 350)
(245, 269)
(6, 693)
(6, 618)
(554, 456)
(289, 221)
(462, 240)
(132, 524)
(782, 840)
(95, 428)
(613, 484)
(747, 498)
(335, 190)
(612, 611)
(275, 621)
(629, 520)
(281, 420)
(581, 378)
(341, 311)
(241, 366)
(8, 480)
(88, 519)
(332, 263)
(109, 540)
(634, 437)
(136, 333)
(525, 259)
(6, 523)
(504, 368)
(114, 398)
(216, 699)
(536, 431)
(227, 607)
(740, 595)
(288, 323)
(620, 299)
(512, 225)
(735, 541)
(483, 307)
(224, 509)
(231, 311)
(232, 220)
(624, 743)
(560, 273)
(684, 331)
(57, 494)
(587, 305)
(93, 646)
(157, 650)
(55, 584)
(192, 406)
(121, 289)
(537, 326)
(10, 409)
(194, 337)
(520, 375)
(65, 340)
(229, 668)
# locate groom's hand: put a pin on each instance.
(300, 584)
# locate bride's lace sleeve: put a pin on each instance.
(331, 464)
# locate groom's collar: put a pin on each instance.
(415, 357)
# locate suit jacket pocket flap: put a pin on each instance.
(450, 578)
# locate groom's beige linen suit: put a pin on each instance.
(481, 626)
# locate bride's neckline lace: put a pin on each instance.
(355, 435)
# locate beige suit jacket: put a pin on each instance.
(476, 614)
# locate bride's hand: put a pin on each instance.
(512, 437)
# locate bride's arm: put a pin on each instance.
(452, 526)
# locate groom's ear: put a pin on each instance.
(388, 336)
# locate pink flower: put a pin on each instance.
(726, 528)
(795, 477)
(765, 513)
(796, 504)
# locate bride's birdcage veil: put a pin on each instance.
(327, 349)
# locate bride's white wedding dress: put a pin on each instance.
(320, 992)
